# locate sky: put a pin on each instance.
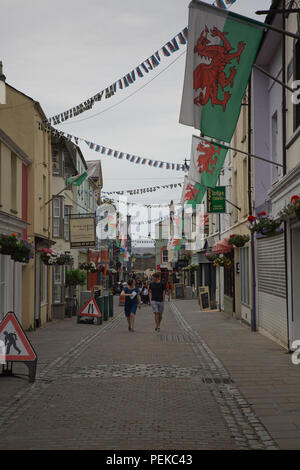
(65, 51)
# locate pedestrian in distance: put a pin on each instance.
(157, 294)
(132, 302)
(145, 294)
(169, 290)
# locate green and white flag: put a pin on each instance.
(222, 47)
(77, 180)
(207, 160)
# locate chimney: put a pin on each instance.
(2, 85)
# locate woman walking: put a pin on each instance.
(132, 301)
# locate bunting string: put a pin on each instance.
(117, 154)
(128, 79)
(144, 190)
(149, 64)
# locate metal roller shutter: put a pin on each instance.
(271, 282)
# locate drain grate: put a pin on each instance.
(216, 380)
(178, 338)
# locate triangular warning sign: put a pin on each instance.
(90, 309)
(14, 344)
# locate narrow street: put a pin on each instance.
(203, 382)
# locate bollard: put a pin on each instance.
(111, 305)
(105, 308)
(99, 302)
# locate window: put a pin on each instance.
(44, 200)
(56, 217)
(13, 182)
(55, 162)
(165, 256)
(58, 282)
(244, 273)
(67, 212)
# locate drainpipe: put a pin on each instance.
(284, 110)
(253, 310)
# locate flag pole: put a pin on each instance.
(55, 195)
(257, 67)
(239, 151)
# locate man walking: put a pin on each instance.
(157, 293)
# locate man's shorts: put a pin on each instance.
(158, 307)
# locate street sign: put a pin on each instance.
(216, 200)
(15, 347)
(90, 309)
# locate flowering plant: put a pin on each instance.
(211, 257)
(91, 267)
(238, 240)
(18, 249)
(64, 258)
(264, 224)
(49, 257)
(8, 243)
(293, 208)
(222, 260)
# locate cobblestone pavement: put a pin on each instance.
(102, 387)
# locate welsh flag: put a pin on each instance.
(222, 47)
(192, 192)
(207, 160)
(77, 180)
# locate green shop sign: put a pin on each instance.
(216, 200)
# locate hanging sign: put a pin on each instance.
(216, 200)
(82, 231)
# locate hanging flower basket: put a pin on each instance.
(8, 243)
(49, 257)
(89, 267)
(238, 240)
(291, 209)
(223, 261)
(264, 224)
(211, 257)
(23, 252)
(18, 249)
(64, 258)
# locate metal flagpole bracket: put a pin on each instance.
(257, 67)
(240, 151)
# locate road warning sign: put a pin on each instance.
(14, 342)
(90, 309)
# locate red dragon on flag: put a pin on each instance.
(207, 158)
(208, 76)
(191, 192)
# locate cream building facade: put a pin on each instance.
(20, 119)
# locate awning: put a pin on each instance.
(222, 247)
